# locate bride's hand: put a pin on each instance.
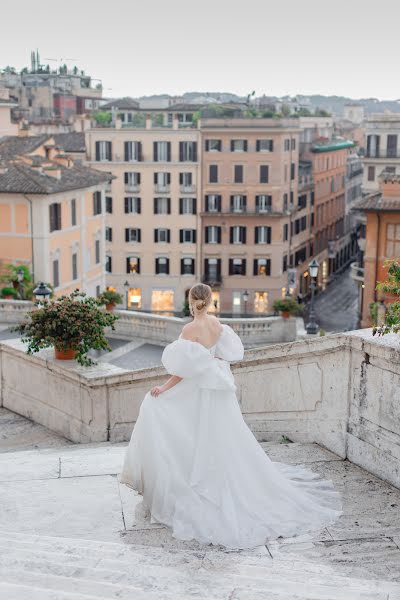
(156, 391)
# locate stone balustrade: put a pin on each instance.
(341, 391)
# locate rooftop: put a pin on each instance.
(13, 145)
(121, 104)
(377, 203)
(71, 142)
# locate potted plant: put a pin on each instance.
(287, 307)
(110, 299)
(391, 323)
(72, 324)
(9, 293)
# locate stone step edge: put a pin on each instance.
(64, 595)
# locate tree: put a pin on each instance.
(392, 287)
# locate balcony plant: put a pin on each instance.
(73, 324)
(10, 275)
(110, 299)
(287, 307)
(9, 293)
(391, 286)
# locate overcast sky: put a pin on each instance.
(142, 47)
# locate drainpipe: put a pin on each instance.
(31, 217)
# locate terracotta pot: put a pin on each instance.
(8, 297)
(285, 314)
(65, 354)
(110, 306)
(15, 285)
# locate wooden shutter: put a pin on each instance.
(206, 269)
(169, 153)
(244, 266)
(258, 146)
(218, 268)
(243, 235)
(231, 235)
(157, 267)
(206, 234)
(231, 266)
(127, 265)
(156, 235)
(59, 216)
(232, 201)
(255, 266)
(194, 206)
(181, 151)
(168, 178)
(169, 206)
(207, 145)
(256, 235)
(139, 151)
(219, 200)
(139, 236)
(218, 235)
(271, 145)
(194, 151)
(139, 205)
(126, 178)
(268, 267)
(155, 153)
(245, 145)
(269, 232)
(182, 266)
(245, 202)
(181, 206)
(126, 146)
(232, 145)
(194, 236)
(181, 236)
(98, 150)
(109, 150)
(155, 178)
(126, 205)
(127, 235)
(167, 266)
(138, 265)
(180, 178)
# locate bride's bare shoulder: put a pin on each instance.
(216, 322)
(189, 332)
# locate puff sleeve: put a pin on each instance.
(229, 347)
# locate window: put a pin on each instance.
(238, 177)
(133, 264)
(73, 212)
(187, 266)
(162, 151)
(74, 266)
(133, 151)
(265, 145)
(162, 181)
(285, 202)
(238, 145)
(56, 273)
(97, 252)
(264, 173)
(237, 266)
(393, 241)
(132, 180)
(213, 145)
(212, 270)
(132, 234)
(132, 205)
(373, 143)
(302, 201)
(285, 232)
(109, 204)
(188, 151)
(371, 173)
(55, 216)
(391, 146)
(97, 203)
(263, 203)
(237, 234)
(262, 234)
(103, 151)
(236, 302)
(187, 236)
(286, 145)
(293, 144)
(213, 234)
(213, 174)
(162, 206)
(187, 206)
(213, 203)
(162, 235)
(238, 204)
(108, 264)
(262, 266)
(162, 266)
(293, 171)
(186, 181)
(108, 234)
(284, 263)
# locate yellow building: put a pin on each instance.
(52, 215)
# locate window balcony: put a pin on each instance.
(132, 187)
(187, 189)
(212, 279)
(161, 189)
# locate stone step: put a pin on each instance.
(11, 591)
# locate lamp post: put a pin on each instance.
(20, 276)
(312, 326)
(42, 293)
(245, 299)
(126, 286)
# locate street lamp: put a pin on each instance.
(245, 299)
(126, 286)
(20, 277)
(312, 326)
(42, 292)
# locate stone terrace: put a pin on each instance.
(70, 531)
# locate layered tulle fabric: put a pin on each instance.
(200, 469)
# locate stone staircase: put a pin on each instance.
(34, 567)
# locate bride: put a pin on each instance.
(198, 466)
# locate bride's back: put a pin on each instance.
(205, 331)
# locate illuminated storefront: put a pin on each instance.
(260, 302)
(134, 298)
(162, 300)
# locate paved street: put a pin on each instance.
(336, 307)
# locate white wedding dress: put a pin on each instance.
(200, 469)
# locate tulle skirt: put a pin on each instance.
(202, 473)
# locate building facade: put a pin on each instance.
(51, 215)
(382, 152)
(152, 209)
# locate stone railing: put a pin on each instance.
(13, 311)
(341, 391)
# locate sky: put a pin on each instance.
(277, 47)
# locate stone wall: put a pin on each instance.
(341, 391)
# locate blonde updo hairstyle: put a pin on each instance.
(199, 298)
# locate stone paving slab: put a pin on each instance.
(19, 433)
(295, 454)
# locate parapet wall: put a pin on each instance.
(341, 391)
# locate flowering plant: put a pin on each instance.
(69, 322)
(392, 287)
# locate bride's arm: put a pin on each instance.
(159, 389)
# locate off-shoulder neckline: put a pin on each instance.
(202, 345)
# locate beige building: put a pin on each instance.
(252, 225)
(152, 208)
(51, 215)
(382, 148)
(6, 125)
